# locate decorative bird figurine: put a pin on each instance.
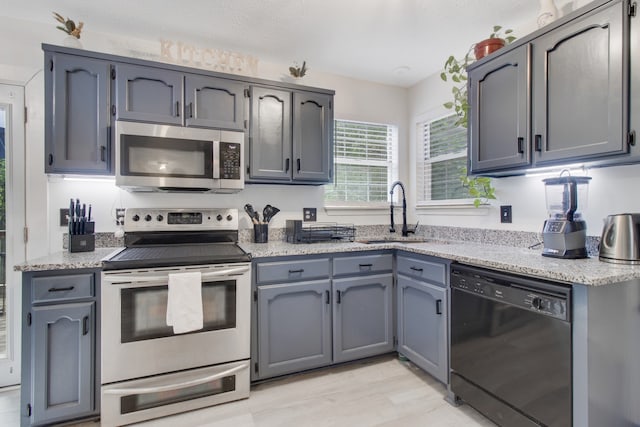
(69, 26)
(299, 71)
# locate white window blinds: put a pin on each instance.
(364, 163)
(442, 155)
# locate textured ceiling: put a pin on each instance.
(398, 42)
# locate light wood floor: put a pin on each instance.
(382, 392)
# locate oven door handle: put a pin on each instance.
(178, 386)
(132, 278)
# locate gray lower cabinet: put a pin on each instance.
(60, 378)
(422, 313)
(362, 316)
(312, 311)
(290, 136)
(77, 115)
(294, 322)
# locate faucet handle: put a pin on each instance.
(415, 229)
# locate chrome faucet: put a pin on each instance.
(405, 232)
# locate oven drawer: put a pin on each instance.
(62, 288)
(362, 264)
(432, 271)
(270, 272)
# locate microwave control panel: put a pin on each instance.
(230, 160)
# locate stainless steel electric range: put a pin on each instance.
(148, 371)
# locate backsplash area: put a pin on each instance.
(520, 239)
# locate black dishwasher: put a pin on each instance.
(511, 347)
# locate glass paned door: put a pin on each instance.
(12, 247)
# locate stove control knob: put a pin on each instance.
(159, 218)
(219, 217)
(136, 217)
(229, 217)
(147, 217)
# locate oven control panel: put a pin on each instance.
(181, 219)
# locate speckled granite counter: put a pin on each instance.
(506, 258)
(64, 260)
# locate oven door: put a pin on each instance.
(136, 341)
(163, 157)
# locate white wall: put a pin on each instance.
(355, 100)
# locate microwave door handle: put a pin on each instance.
(216, 159)
(178, 386)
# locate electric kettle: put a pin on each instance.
(620, 241)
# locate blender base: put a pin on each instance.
(565, 239)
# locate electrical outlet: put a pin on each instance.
(505, 213)
(119, 216)
(308, 214)
(64, 217)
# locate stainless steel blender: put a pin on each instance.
(565, 232)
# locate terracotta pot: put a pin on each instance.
(487, 46)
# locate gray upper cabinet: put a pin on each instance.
(554, 98)
(312, 136)
(578, 86)
(269, 135)
(77, 115)
(499, 133)
(148, 94)
(290, 136)
(214, 103)
(362, 316)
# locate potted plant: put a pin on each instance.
(455, 70)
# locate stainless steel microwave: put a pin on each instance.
(153, 157)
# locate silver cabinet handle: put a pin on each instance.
(178, 386)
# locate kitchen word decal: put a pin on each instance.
(226, 61)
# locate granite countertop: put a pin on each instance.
(516, 260)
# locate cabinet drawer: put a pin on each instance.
(57, 288)
(362, 264)
(269, 272)
(431, 271)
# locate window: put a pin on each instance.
(365, 163)
(442, 154)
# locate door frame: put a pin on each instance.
(12, 99)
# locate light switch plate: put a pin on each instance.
(308, 214)
(505, 213)
(64, 217)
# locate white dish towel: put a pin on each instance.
(184, 302)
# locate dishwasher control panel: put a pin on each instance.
(542, 297)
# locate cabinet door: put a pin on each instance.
(312, 137)
(77, 125)
(499, 112)
(362, 317)
(214, 103)
(422, 314)
(148, 94)
(578, 81)
(63, 341)
(270, 135)
(294, 327)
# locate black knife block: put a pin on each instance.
(82, 242)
